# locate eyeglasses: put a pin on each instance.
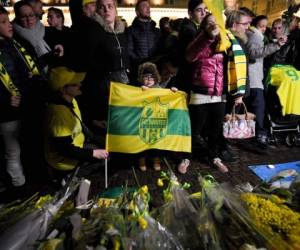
(244, 24)
(148, 77)
(27, 16)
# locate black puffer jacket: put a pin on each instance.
(143, 40)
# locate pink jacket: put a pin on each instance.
(208, 66)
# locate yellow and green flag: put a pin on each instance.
(139, 120)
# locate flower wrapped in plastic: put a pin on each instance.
(15, 211)
(271, 215)
(104, 229)
(145, 232)
(179, 213)
(34, 226)
(210, 205)
(228, 224)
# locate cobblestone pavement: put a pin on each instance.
(121, 173)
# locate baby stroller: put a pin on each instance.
(282, 105)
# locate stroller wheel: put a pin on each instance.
(290, 140)
(273, 140)
(297, 141)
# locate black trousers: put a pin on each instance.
(207, 120)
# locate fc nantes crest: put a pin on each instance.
(153, 121)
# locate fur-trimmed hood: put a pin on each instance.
(119, 25)
(149, 68)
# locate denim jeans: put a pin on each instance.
(10, 133)
(256, 104)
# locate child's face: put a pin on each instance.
(6, 29)
(148, 80)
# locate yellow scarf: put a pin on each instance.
(6, 79)
(237, 67)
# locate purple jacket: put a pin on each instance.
(208, 66)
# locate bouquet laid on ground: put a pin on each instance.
(17, 210)
(32, 227)
(104, 229)
(210, 204)
(179, 213)
(145, 232)
(225, 222)
(219, 217)
(271, 215)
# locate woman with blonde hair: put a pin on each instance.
(107, 61)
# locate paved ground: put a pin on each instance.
(239, 172)
(121, 173)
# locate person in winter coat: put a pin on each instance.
(189, 28)
(149, 77)
(143, 37)
(207, 101)
(290, 52)
(107, 60)
(80, 30)
(57, 32)
(27, 27)
(65, 133)
(257, 51)
(16, 69)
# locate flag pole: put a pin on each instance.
(106, 174)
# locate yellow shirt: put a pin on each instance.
(287, 80)
(62, 122)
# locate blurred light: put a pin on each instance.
(157, 2)
(128, 13)
(130, 2)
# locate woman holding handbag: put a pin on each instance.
(207, 102)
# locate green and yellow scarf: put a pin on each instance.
(237, 67)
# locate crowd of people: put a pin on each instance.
(54, 91)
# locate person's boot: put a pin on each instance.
(262, 141)
(199, 146)
(227, 155)
(156, 164)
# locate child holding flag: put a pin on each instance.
(148, 77)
